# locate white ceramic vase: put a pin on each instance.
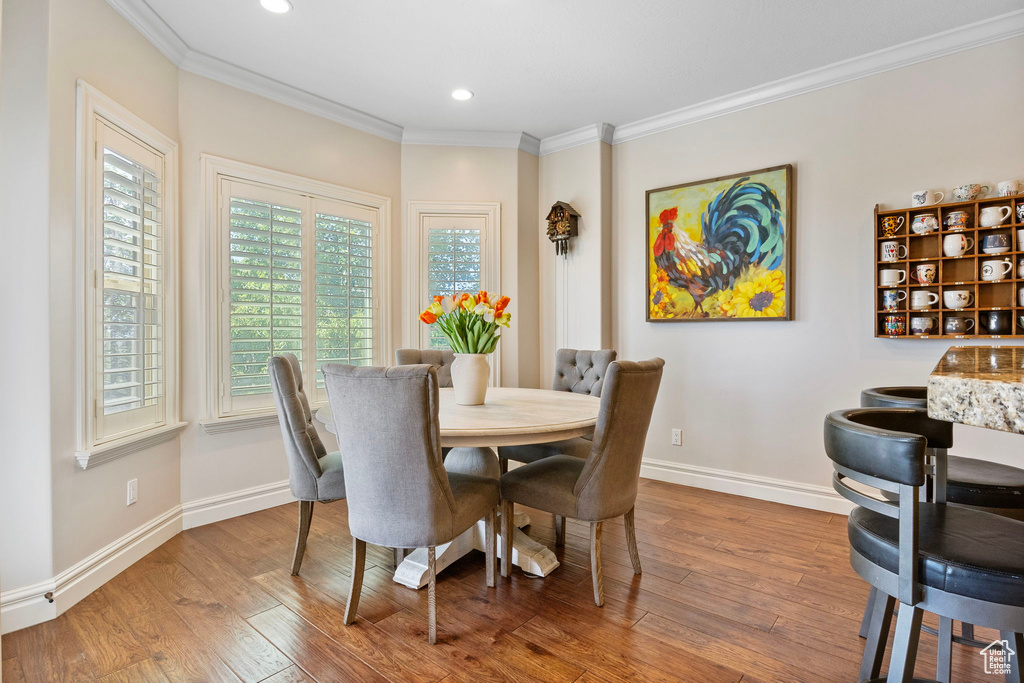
(470, 373)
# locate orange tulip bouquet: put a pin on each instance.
(470, 323)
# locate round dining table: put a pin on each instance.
(508, 417)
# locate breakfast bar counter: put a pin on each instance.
(981, 386)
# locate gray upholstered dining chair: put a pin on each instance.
(581, 372)
(602, 486)
(399, 492)
(314, 474)
(441, 359)
(464, 460)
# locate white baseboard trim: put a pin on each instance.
(764, 488)
(23, 607)
(215, 508)
(31, 605)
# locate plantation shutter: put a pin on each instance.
(265, 287)
(454, 253)
(130, 280)
(299, 279)
(344, 309)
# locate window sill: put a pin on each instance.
(128, 445)
(223, 425)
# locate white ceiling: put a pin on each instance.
(548, 66)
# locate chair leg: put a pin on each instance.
(634, 554)
(431, 597)
(865, 622)
(358, 562)
(966, 630)
(305, 519)
(879, 621)
(559, 531)
(944, 658)
(904, 645)
(595, 563)
(506, 537)
(1016, 641)
(490, 544)
(503, 465)
(399, 556)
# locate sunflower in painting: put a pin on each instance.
(761, 294)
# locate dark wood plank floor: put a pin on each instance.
(733, 589)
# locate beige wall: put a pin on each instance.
(89, 40)
(750, 397)
(221, 120)
(486, 174)
(576, 288)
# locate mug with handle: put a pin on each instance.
(891, 277)
(891, 225)
(925, 198)
(892, 251)
(995, 270)
(956, 245)
(922, 300)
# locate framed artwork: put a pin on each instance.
(721, 249)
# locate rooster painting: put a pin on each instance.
(734, 266)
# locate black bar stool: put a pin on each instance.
(960, 563)
(969, 481)
(993, 487)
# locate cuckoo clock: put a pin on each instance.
(562, 225)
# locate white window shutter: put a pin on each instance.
(130, 382)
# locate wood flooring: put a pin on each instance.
(733, 589)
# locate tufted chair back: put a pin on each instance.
(581, 372)
(301, 442)
(441, 360)
(607, 485)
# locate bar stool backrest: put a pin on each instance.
(884, 448)
(915, 398)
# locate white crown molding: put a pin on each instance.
(462, 138)
(1002, 27)
(574, 138)
(250, 81)
(152, 26)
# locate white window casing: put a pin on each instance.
(452, 247)
(296, 266)
(126, 275)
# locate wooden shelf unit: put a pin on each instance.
(952, 272)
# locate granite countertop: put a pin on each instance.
(981, 386)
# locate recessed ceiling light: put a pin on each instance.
(276, 6)
(462, 94)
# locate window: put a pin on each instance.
(127, 246)
(453, 266)
(298, 272)
(453, 249)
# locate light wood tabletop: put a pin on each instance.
(509, 417)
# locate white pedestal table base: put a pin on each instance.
(528, 554)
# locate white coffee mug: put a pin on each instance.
(925, 198)
(995, 270)
(1020, 240)
(992, 216)
(1020, 269)
(956, 245)
(957, 298)
(891, 277)
(891, 251)
(1008, 188)
(1020, 297)
(922, 300)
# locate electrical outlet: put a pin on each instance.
(133, 492)
(677, 437)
